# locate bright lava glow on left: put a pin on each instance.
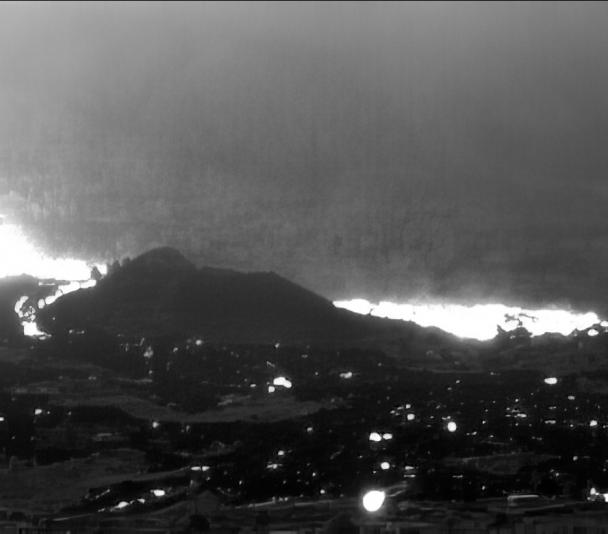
(480, 321)
(24, 258)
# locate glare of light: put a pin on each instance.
(38, 411)
(593, 423)
(374, 436)
(411, 416)
(202, 468)
(592, 332)
(121, 505)
(385, 466)
(282, 381)
(25, 258)
(550, 380)
(155, 424)
(158, 492)
(479, 321)
(452, 426)
(387, 436)
(361, 306)
(271, 389)
(373, 500)
(346, 375)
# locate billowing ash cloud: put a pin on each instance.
(381, 150)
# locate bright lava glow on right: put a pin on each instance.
(480, 321)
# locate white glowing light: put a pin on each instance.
(478, 321)
(385, 466)
(155, 424)
(158, 492)
(592, 332)
(24, 258)
(452, 426)
(271, 389)
(373, 500)
(593, 423)
(550, 380)
(374, 436)
(38, 411)
(121, 505)
(346, 375)
(361, 306)
(387, 436)
(281, 381)
(411, 416)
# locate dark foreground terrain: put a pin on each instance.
(154, 404)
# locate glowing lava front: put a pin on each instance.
(480, 321)
(22, 257)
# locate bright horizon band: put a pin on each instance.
(479, 321)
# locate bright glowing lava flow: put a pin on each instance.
(23, 257)
(480, 321)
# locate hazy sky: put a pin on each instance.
(454, 150)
